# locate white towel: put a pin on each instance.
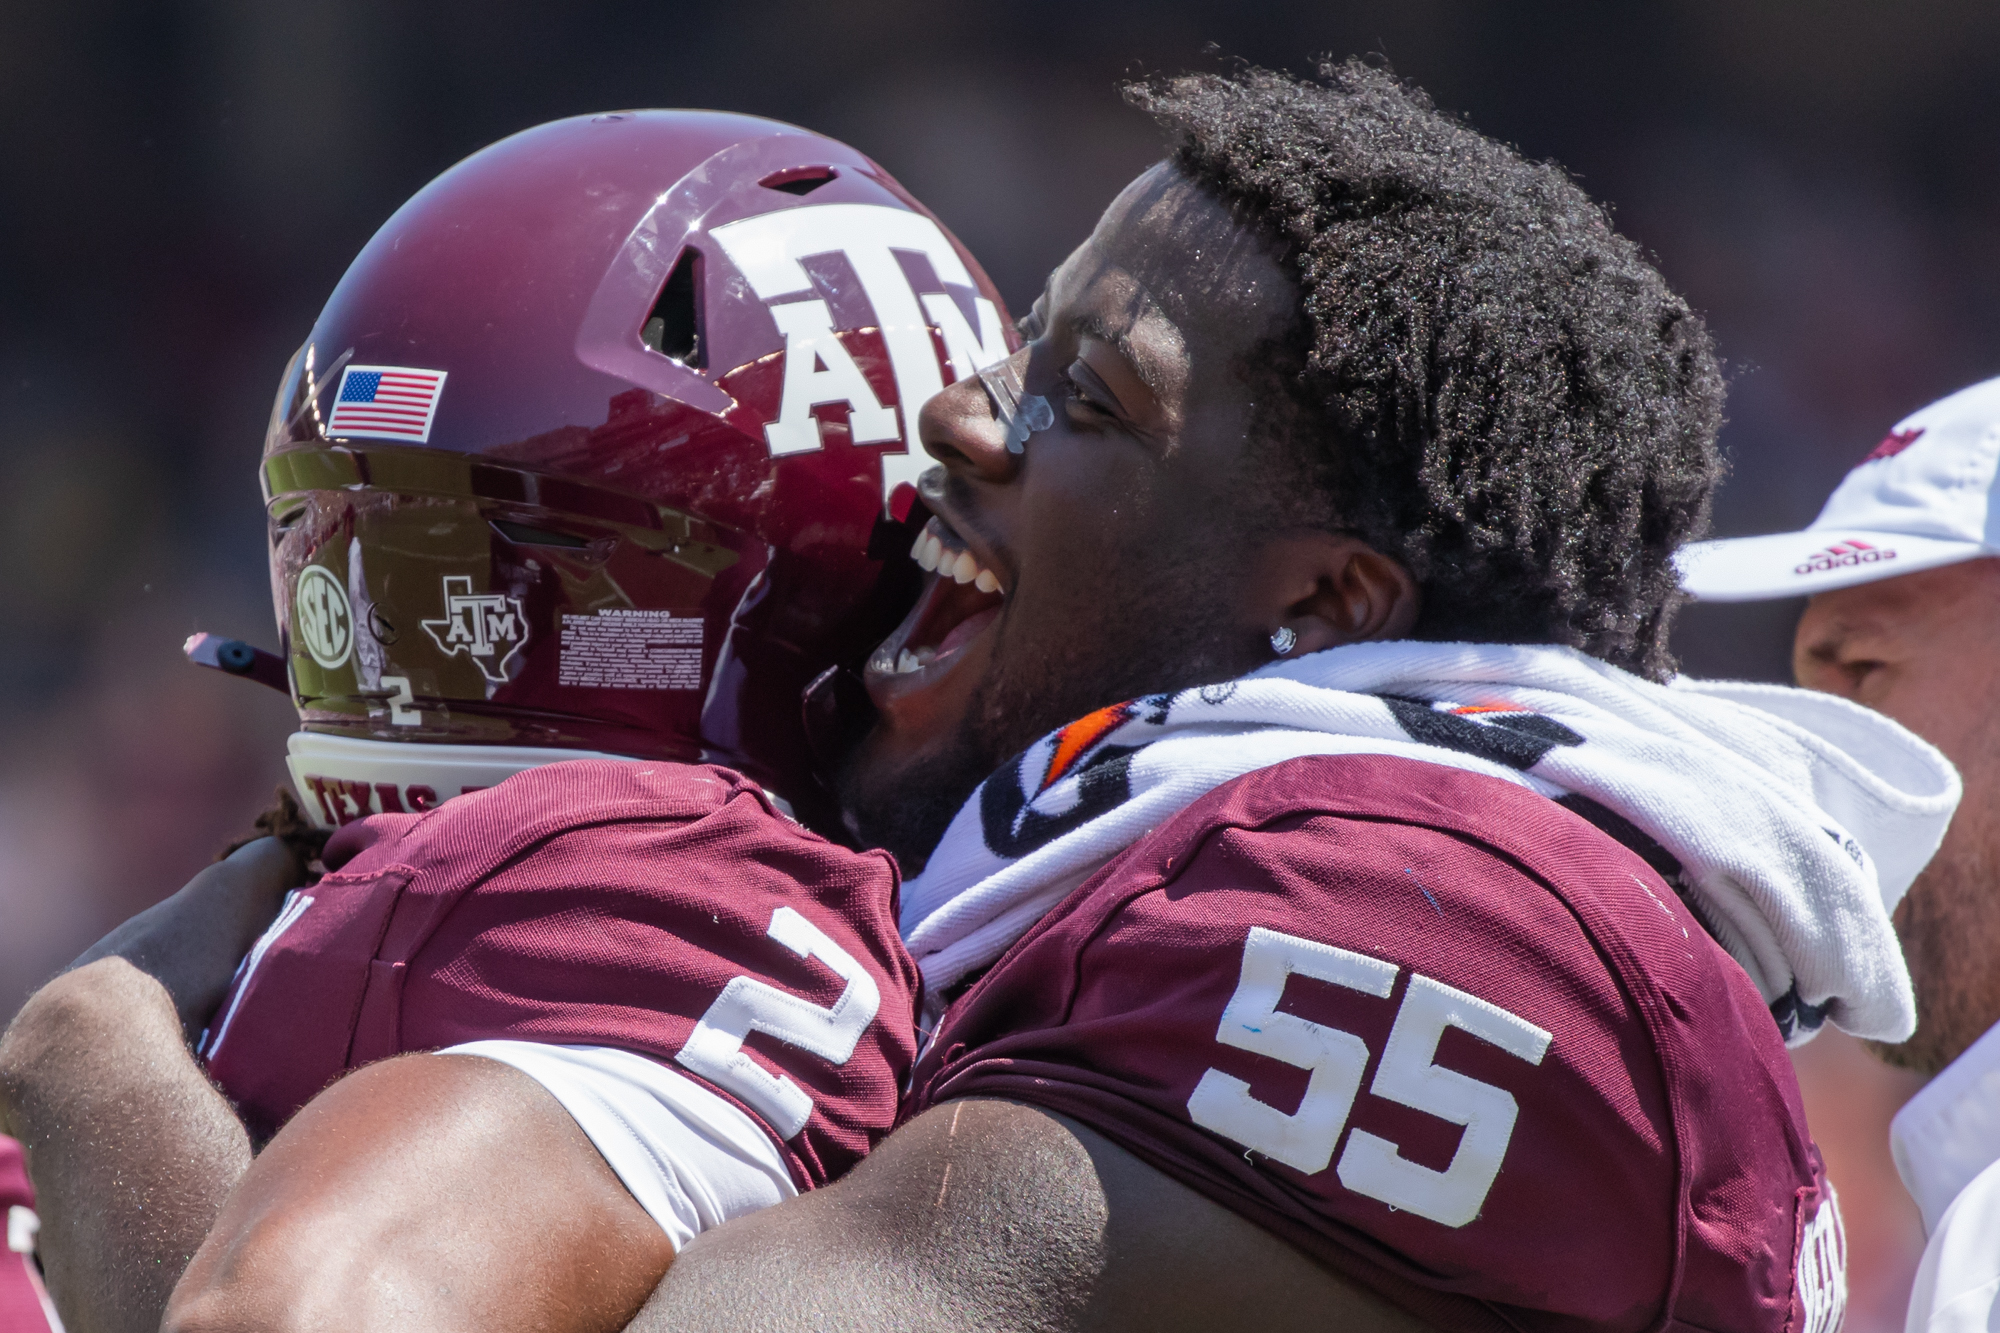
(1797, 819)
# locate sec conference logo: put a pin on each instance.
(321, 618)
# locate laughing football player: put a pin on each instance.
(1325, 910)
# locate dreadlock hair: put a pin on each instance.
(1484, 379)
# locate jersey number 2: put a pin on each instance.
(746, 1005)
(1407, 1075)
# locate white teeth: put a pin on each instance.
(933, 556)
(904, 662)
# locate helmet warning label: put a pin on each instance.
(622, 649)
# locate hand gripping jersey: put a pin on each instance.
(661, 909)
(1436, 1031)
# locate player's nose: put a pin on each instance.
(961, 428)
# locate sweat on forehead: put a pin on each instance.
(1169, 249)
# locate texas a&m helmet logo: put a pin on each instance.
(488, 627)
(768, 251)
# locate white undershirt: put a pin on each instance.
(1946, 1141)
(691, 1159)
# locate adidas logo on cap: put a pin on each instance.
(1851, 552)
(1927, 496)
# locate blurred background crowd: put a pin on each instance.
(183, 181)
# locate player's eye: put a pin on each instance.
(1082, 387)
(1858, 671)
(1841, 666)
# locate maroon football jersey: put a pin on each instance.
(20, 1290)
(1436, 1031)
(665, 909)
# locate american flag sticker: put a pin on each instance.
(391, 402)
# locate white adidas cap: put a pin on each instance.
(1928, 495)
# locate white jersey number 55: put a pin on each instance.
(1407, 1075)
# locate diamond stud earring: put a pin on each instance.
(1283, 640)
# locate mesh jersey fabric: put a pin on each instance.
(1314, 996)
(664, 909)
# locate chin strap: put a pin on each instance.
(237, 658)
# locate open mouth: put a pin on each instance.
(961, 599)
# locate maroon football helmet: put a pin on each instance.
(604, 445)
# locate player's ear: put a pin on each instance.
(1328, 589)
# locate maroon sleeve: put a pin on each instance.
(15, 1191)
(662, 909)
(1499, 1076)
(20, 1289)
(20, 1295)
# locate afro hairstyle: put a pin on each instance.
(1484, 380)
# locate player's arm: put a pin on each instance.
(490, 1190)
(452, 1192)
(439, 1192)
(130, 1147)
(987, 1214)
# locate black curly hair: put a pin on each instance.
(1485, 379)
